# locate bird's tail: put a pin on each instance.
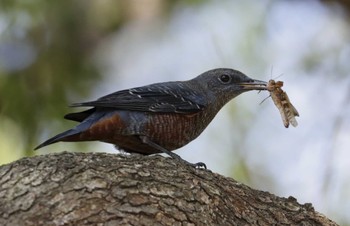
(58, 137)
(73, 134)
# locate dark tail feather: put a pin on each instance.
(80, 116)
(90, 119)
(58, 138)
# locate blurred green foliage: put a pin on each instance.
(46, 52)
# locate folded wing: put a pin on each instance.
(163, 97)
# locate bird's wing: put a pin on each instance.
(168, 97)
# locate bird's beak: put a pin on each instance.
(253, 85)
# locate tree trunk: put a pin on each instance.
(111, 189)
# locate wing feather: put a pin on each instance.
(162, 97)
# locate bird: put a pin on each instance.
(160, 117)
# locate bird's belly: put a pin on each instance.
(169, 130)
(173, 131)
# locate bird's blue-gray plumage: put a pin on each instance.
(159, 117)
(167, 97)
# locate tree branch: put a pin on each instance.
(99, 188)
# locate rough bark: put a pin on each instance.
(110, 189)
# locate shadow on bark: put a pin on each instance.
(111, 189)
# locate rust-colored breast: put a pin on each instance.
(173, 131)
(123, 128)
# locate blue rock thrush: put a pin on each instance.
(160, 117)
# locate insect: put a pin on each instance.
(282, 102)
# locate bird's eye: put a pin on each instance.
(225, 78)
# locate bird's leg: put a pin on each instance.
(146, 140)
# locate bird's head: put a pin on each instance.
(223, 84)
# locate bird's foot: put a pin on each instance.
(199, 165)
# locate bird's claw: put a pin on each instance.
(199, 165)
